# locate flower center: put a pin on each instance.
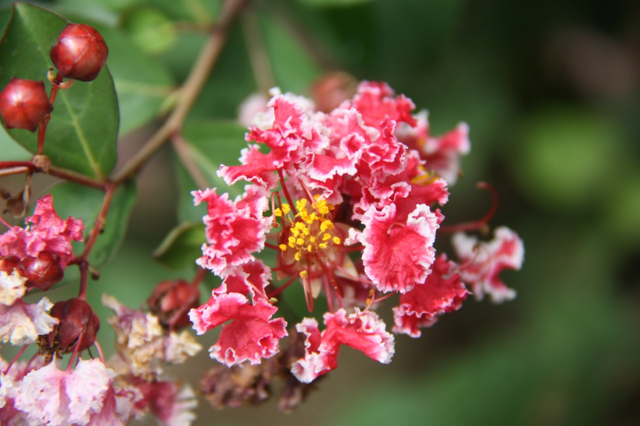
(310, 230)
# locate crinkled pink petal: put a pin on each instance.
(375, 102)
(167, 401)
(58, 398)
(22, 323)
(47, 232)
(256, 167)
(363, 331)
(398, 255)
(481, 263)
(250, 278)
(234, 229)
(250, 336)
(441, 292)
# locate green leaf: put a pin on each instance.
(182, 246)
(79, 201)
(10, 150)
(83, 130)
(150, 30)
(142, 83)
(210, 144)
(293, 68)
(567, 157)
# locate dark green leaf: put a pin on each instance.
(182, 246)
(71, 199)
(83, 129)
(293, 68)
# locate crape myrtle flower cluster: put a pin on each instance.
(349, 200)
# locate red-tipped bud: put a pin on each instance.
(171, 302)
(24, 104)
(76, 319)
(80, 52)
(42, 272)
(9, 263)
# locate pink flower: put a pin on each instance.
(234, 230)
(442, 153)
(47, 232)
(69, 397)
(397, 255)
(363, 331)
(441, 292)
(250, 336)
(167, 401)
(22, 323)
(481, 263)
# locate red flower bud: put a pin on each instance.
(76, 319)
(24, 104)
(171, 302)
(42, 272)
(9, 263)
(80, 52)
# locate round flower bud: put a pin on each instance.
(76, 318)
(80, 52)
(9, 263)
(24, 104)
(42, 272)
(171, 302)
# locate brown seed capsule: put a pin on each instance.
(171, 302)
(80, 52)
(76, 319)
(42, 272)
(24, 104)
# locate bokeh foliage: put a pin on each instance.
(550, 90)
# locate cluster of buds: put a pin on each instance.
(354, 196)
(79, 54)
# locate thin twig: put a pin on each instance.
(182, 149)
(189, 91)
(260, 64)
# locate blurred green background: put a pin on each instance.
(550, 90)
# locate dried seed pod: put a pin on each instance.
(76, 319)
(171, 302)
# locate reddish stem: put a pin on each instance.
(15, 358)
(42, 129)
(286, 193)
(9, 164)
(97, 345)
(199, 277)
(282, 287)
(100, 220)
(78, 178)
(476, 224)
(272, 246)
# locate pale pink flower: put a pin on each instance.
(22, 323)
(481, 263)
(64, 398)
(11, 287)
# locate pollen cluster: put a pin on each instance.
(311, 229)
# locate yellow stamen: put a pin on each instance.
(336, 240)
(283, 247)
(286, 208)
